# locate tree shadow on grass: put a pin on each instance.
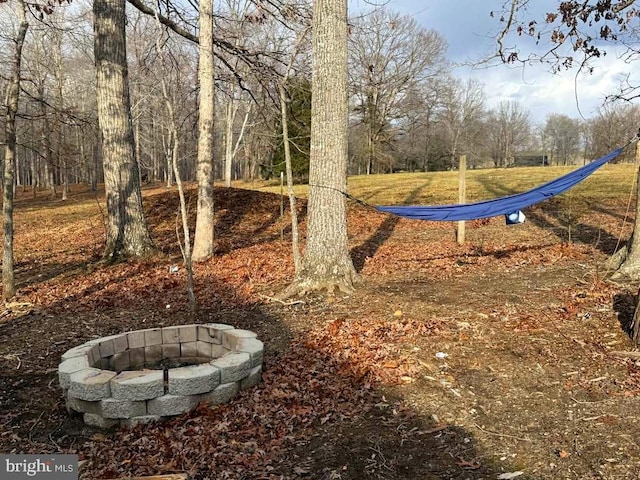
(243, 218)
(384, 231)
(371, 245)
(564, 227)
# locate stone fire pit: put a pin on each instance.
(146, 375)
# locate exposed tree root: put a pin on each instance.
(304, 286)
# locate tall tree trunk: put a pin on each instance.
(13, 97)
(126, 228)
(203, 238)
(295, 243)
(627, 259)
(228, 141)
(326, 263)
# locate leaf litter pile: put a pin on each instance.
(506, 357)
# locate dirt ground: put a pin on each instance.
(500, 358)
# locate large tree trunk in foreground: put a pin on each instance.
(126, 228)
(326, 263)
(203, 238)
(13, 96)
(627, 259)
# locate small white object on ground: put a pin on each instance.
(509, 476)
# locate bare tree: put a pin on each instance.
(508, 131)
(13, 98)
(462, 105)
(577, 34)
(563, 136)
(175, 135)
(126, 228)
(390, 56)
(326, 263)
(612, 126)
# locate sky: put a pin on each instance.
(470, 33)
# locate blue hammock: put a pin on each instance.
(509, 205)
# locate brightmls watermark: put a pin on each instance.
(38, 467)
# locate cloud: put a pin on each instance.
(571, 92)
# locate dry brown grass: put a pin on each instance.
(611, 181)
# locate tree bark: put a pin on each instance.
(295, 242)
(203, 238)
(326, 263)
(126, 228)
(228, 141)
(627, 259)
(13, 97)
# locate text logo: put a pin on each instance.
(39, 467)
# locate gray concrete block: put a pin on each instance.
(94, 355)
(79, 351)
(91, 384)
(120, 343)
(138, 385)
(203, 348)
(153, 354)
(255, 375)
(106, 347)
(136, 339)
(121, 361)
(82, 406)
(222, 394)
(193, 380)
(252, 346)
(170, 335)
(231, 337)
(216, 329)
(233, 366)
(69, 366)
(171, 351)
(218, 351)
(188, 333)
(172, 404)
(133, 421)
(112, 408)
(189, 349)
(152, 336)
(204, 336)
(96, 421)
(136, 357)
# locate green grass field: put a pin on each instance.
(433, 188)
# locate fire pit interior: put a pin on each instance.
(146, 375)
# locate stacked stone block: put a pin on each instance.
(109, 382)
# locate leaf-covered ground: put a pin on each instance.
(493, 358)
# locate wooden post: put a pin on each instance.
(462, 195)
